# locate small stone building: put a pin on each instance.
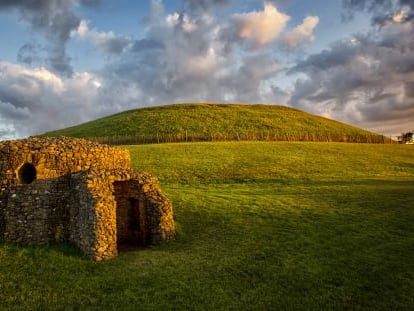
(67, 189)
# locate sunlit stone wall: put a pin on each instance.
(65, 189)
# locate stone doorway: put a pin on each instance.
(131, 224)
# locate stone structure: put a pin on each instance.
(66, 189)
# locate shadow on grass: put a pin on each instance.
(212, 213)
(34, 251)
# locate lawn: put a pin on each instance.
(261, 226)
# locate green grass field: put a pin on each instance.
(216, 122)
(261, 226)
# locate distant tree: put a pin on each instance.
(407, 137)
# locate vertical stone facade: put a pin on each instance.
(64, 189)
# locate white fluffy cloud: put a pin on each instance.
(107, 42)
(302, 33)
(261, 27)
(269, 27)
(35, 100)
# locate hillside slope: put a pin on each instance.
(215, 122)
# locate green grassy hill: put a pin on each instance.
(216, 122)
(261, 226)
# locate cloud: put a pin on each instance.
(171, 63)
(302, 33)
(258, 67)
(252, 79)
(267, 28)
(384, 11)
(181, 20)
(107, 42)
(146, 44)
(260, 27)
(7, 130)
(55, 19)
(205, 4)
(29, 53)
(376, 5)
(364, 80)
(409, 89)
(36, 100)
(186, 58)
(8, 111)
(278, 95)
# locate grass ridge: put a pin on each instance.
(217, 122)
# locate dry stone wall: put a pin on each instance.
(113, 192)
(53, 157)
(63, 189)
(38, 214)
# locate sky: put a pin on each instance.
(65, 62)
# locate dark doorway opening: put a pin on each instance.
(130, 217)
(27, 173)
(133, 221)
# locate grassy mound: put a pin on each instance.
(216, 122)
(261, 226)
